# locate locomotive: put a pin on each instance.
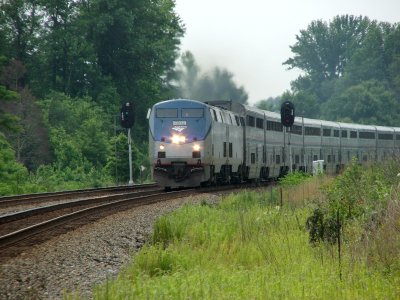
(193, 143)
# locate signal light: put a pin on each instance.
(287, 114)
(127, 115)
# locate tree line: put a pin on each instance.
(350, 71)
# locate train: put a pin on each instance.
(194, 143)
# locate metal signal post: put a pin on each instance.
(130, 156)
(127, 121)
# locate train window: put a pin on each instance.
(336, 133)
(315, 157)
(344, 133)
(397, 136)
(242, 121)
(225, 116)
(250, 121)
(329, 158)
(274, 126)
(214, 115)
(224, 149)
(253, 158)
(385, 136)
(230, 118)
(260, 123)
(230, 150)
(278, 159)
(326, 132)
(192, 112)
(296, 129)
(237, 120)
(167, 113)
(366, 135)
(222, 118)
(312, 131)
(353, 134)
(297, 159)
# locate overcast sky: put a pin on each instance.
(251, 38)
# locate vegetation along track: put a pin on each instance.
(21, 230)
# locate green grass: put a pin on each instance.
(246, 247)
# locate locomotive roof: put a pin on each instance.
(173, 101)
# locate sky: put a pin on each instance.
(252, 38)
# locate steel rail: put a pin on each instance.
(14, 238)
(71, 204)
(18, 200)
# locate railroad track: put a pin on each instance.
(42, 198)
(24, 229)
(21, 230)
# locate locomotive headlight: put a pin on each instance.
(176, 139)
(196, 147)
(162, 147)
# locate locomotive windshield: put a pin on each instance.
(167, 113)
(192, 112)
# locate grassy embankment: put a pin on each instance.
(250, 247)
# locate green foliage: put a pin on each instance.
(12, 174)
(270, 104)
(351, 71)
(323, 50)
(78, 130)
(7, 121)
(92, 48)
(294, 178)
(348, 199)
(242, 248)
(118, 160)
(368, 102)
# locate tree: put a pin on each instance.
(19, 23)
(30, 141)
(351, 70)
(12, 174)
(78, 127)
(369, 102)
(118, 161)
(270, 104)
(368, 61)
(136, 44)
(323, 50)
(7, 120)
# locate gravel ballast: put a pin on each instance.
(83, 258)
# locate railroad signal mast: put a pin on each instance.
(127, 121)
(287, 120)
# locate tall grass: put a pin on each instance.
(247, 246)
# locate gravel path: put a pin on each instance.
(78, 260)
